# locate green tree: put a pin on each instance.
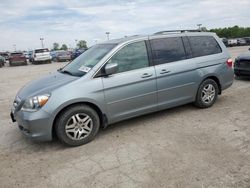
(82, 44)
(64, 47)
(55, 46)
(232, 32)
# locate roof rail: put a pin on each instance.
(176, 31)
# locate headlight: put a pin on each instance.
(35, 103)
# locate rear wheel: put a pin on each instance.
(77, 125)
(207, 94)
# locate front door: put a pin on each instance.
(132, 90)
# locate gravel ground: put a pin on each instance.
(180, 147)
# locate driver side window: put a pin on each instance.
(131, 57)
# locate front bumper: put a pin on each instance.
(35, 125)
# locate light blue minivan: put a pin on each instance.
(121, 79)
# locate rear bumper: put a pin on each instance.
(242, 71)
(63, 58)
(35, 125)
(17, 63)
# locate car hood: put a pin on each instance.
(45, 84)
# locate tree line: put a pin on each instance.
(232, 32)
(227, 32)
(80, 44)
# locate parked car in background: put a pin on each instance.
(77, 53)
(30, 53)
(225, 41)
(121, 79)
(41, 56)
(26, 54)
(2, 61)
(17, 58)
(241, 42)
(61, 55)
(232, 42)
(242, 65)
(247, 39)
(5, 55)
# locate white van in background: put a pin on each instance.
(232, 42)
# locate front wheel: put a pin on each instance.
(207, 94)
(77, 125)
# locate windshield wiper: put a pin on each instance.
(65, 72)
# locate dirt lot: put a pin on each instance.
(180, 147)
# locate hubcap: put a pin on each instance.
(208, 93)
(79, 126)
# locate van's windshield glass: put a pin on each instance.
(85, 62)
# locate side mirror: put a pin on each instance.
(111, 68)
(249, 49)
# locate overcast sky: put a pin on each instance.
(23, 22)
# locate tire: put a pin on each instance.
(207, 94)
(78, 132)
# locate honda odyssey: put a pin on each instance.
(121, 79)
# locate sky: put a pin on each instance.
(24, 22)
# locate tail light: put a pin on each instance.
(230, 63)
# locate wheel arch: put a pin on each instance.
(216, 79)
(102, 116)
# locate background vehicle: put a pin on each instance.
(2, 61)
(77, 53)
(41, 56)
(26, 54)
(17, 58)
(242, 65)
(232, 42)
(5, 55)
(30, 53)
(122, 79)
(247, 39)
(241, 42)
(61, 55)
(225, 41)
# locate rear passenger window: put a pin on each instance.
(204, 45)
(167, 50)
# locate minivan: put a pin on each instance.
(121, 79)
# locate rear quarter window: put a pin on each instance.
(204, 45)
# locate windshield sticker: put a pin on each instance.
(84, 69)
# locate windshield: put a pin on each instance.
(41, 50)
(85, 62)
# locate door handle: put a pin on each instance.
(146, 75)
(164, 71)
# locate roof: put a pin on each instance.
(158, 34)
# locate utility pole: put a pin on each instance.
(41, 39)
(76, 42)
(107, 33)
(199, 26)
(14, 46)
